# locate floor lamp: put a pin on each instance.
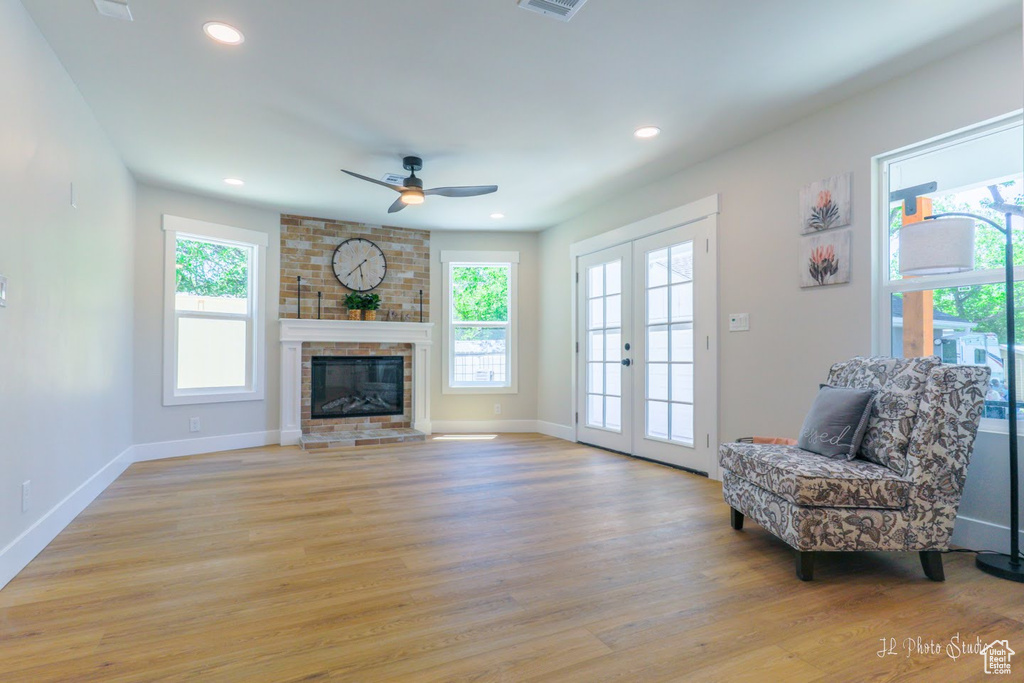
(944, 243)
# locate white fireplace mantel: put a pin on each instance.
(294, 333)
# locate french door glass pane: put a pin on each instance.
(657, 268)
(613, 412)
(657, 419)
(595, 281)
(682, 422)
(657, 381)
(595, 410)
(657, 344)
(614, 316)
(596, 346)
(682, 262)
(657, 306)
(682, 342)
(682, 303)
(595, 378)
(682, 382)
(604, 346)
(613, 277)
(613, 379)
(669, 297)
(595, 318)
(613, 346)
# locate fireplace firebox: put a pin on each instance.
(357, 386)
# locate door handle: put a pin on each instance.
(627, 362)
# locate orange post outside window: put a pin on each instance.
(918, 307)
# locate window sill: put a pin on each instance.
(1001, 427)
(479, 390)
(220, 397)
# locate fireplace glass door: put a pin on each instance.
(357, 386)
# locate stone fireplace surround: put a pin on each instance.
(295, 333)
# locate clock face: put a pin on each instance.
(359, 264)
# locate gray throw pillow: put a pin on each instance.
(836, 423)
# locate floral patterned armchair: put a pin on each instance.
(902, 491)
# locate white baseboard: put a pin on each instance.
(31, 542)
(502, 427)
(978, 534)
(208, 444)
(484, 426)
(558, 431)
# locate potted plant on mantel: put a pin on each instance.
(357, 303)
(371, 302)
(354, 302)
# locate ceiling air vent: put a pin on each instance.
(394, 178)
(115, 9)
(564, 10)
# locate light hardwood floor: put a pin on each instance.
(522, 558)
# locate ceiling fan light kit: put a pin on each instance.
(411, 191)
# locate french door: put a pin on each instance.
(604, 381)
(646, 368)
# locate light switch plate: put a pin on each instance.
(739, 322)
(3, 291)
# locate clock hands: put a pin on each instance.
(359, 268)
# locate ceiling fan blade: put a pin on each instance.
(396, 188)
(397, 206)
(470, 191)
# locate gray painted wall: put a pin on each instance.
(66, 334)
(480, 407)
(153, 421)
(768, 376)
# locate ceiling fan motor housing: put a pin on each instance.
(413, 182)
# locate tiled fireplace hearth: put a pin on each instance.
(327, 343)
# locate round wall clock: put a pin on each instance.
(359, 264)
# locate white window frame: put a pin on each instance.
(884, 288)
(480, 258)
(254, 390)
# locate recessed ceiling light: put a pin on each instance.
(223, 33)
(647, 132)
(234, 181)
(497, 216)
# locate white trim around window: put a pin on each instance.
(510, 385)
(884, 287)
(255, 365)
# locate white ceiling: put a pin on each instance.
(484, 91)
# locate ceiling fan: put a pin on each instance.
(411, 190)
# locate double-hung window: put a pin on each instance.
(213, 297)
(960, 317)
(480, 321)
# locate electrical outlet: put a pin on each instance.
(497, 409)
(25, 490)
(194, 425)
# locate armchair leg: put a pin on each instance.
(931, 561)
(736, 517)
(805, 565)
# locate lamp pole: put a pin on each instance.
(997, 564)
